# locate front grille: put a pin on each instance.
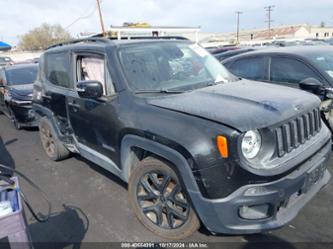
(297, 131)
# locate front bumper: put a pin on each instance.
(285, 198)
(24, 113)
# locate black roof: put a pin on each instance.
(102, 42)
(300, 51)
(297, 50)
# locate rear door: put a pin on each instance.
(289, 71)
(2, 89)
(58, 84)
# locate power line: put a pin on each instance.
(82, 17)
(238, 13)
(269, 20)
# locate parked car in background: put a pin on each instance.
(290, 66)
(16, 86)
(220, 56)
(5, 61)
(195, 144)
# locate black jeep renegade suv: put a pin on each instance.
(194, 143)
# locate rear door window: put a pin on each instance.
(58, 69)
(290, 71)
(253, 68)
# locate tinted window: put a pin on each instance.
(58, 69)
(21, 76)
(322, 60)
(290, 70)
(250, 68)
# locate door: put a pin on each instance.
(2, 89)
(290, 71)
(93, 120)
(58, 84)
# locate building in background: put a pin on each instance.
(286, 32)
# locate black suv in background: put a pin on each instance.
(16, 85)
(193, 142)
(308, 68)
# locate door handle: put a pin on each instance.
(74, 105)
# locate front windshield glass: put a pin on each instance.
(21, 76)
(324, 61)
(170, 66)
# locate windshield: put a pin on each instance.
(323, 61)
(170, 66)
(21, 76)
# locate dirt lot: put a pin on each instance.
(90, 204)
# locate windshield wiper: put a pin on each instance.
(158, 91)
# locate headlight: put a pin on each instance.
(251, 144)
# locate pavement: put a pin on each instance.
(89, 204)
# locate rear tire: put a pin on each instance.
(159, 200)
(53, 147)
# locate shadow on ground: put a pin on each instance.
(65, 229)
(5, 158)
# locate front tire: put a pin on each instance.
(13, 119)
(53, 147)
(159, 200)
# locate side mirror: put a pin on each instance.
(90, 89)
(311, 85)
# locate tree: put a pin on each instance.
(322, 24)
(42, 37)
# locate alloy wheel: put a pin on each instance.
(48, 141)
(162, 200)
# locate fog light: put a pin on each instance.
(254, 212)
(256, 191)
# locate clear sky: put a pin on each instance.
(20, 16)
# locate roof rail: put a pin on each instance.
(100, 38)
(88, 39)
(143, 37)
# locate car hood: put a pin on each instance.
(21, 91)
(243, 105)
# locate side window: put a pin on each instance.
(93, 67)
(288, 70)
(58, 69)
(253, 68)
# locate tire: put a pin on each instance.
(13, 119)
(53, 147)
(154, 188)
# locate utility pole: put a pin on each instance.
(100, 17)
(238, 13)
(269, 20)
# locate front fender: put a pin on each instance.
(182, 166)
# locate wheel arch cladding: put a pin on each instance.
(172, 156)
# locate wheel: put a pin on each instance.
(13, 119)
(159, 200)
(53, 147)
